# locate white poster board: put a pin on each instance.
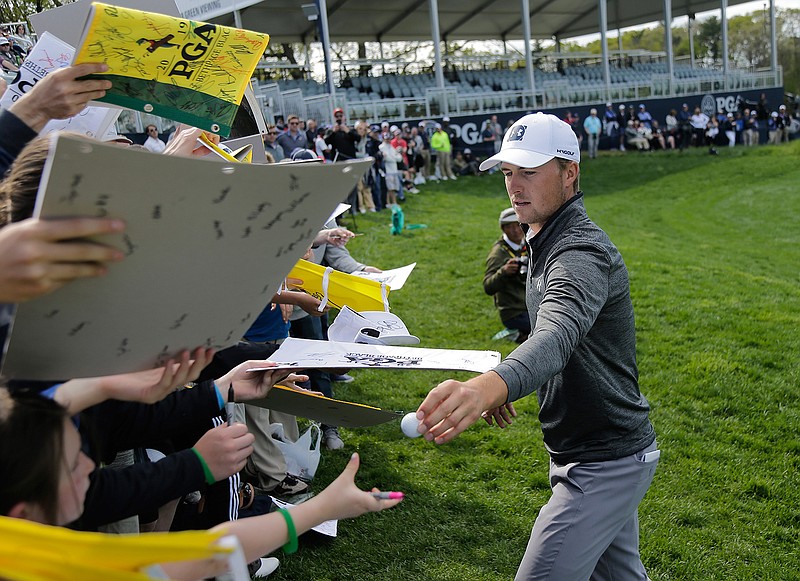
(310, 354)
(207, 245)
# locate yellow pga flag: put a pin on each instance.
(187, 71)
(338, 289)
(35, 552)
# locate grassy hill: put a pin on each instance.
(713, 248)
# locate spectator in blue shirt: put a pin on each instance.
(644, 116)
(293, 137)
(592, 127)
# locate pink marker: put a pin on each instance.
(387, 495)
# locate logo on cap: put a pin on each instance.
(517, 133)
(565, 151)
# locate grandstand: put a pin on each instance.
(492, 86)
(469, 92)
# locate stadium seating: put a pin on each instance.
(491, 90)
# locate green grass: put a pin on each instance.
(713, 248)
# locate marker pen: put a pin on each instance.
(230, 407)
(387, 495)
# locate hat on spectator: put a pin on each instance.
(438, 125)
(385, 124)
(394, 128)
(467, 150)
(774, 113)
(608, 104)
(592, 111)
(445, 118)
(375, 127)
(299, 154)
(4, 40)
(338, 110)
(534, 140)
(753, 112)
(386, 135)
(508, 216)
(782, 107)
(622, 107)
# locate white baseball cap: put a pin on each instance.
(508, 216)
(534, 140)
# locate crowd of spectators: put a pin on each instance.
(406, 155)
(625, 128)
(157, 449)
(15, 43)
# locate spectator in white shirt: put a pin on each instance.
(153, 143)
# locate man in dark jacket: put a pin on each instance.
(504, 279)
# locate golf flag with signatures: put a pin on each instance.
(187, 71)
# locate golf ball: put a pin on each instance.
(409, 425)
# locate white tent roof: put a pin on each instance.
(396, 20)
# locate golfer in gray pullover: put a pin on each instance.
(580, 359)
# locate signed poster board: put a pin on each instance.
(207, 245)
(187, 71)
(310, 354)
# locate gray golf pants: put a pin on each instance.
(589, 529)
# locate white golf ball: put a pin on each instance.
(409, 425)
